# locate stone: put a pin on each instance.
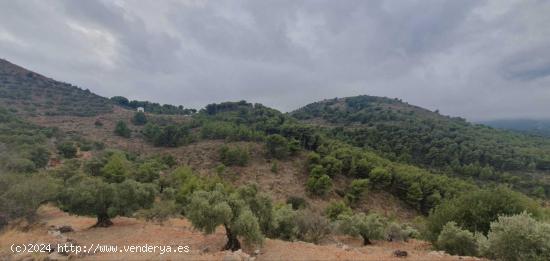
(65, 229)
(400, 253)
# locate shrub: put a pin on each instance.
(220, 169)
(67, 149)
(231, 156)
(319, 185)
(169, 160)
(380, 177)
(117, 168)
(20, 165)
(518, 237)
(312, 227)
(337, 208)
(139, 118)
(457, 241)
(148, 171)
(397, 232)
(277, 146)
(313, 159)
(475, 210)
(296, 202)
(284, 222)
(332, 165)
(275, 167)
(356, 190)
(363, 168)
(40, 156)
(122, 130)
(98, 123)
(369, 227)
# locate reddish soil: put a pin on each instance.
(130, 231)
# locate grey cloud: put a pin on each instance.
(466, 58)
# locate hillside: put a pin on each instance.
(411, 134)
(34, 94)
(237, 175)
(527, 126)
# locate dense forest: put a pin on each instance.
(475, 190)
(410, 134)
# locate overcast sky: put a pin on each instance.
(475, 59)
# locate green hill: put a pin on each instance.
(34, 94)
(411, 134)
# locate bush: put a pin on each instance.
(337, 208)
(122, 130)
(139, 119)
(40, 156)
(319, 185)
(397, 232)
(312, 227)
(20, 165)
(296, 202)
(275, 167)
(117, 168)
(231, 156)
(149, 171)
(67, 149)
(168, 136)
(518, 237)
(277, 146)
(363, 168)
(380, 177)
(457, 241)
(357, 189)
(332, 165)
(475, 210)
(284, 222)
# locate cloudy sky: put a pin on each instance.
(471, 58)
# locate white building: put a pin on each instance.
(140, 109)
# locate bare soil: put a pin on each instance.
(179, 232)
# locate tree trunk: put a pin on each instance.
(103, 220)
(233, 243)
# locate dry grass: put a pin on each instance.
(130, 231)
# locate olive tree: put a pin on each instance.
(209, 209)
(21, 197)
(518, 237)
(94, 197)
(369, 227)
(122, 130)
(457, 241)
